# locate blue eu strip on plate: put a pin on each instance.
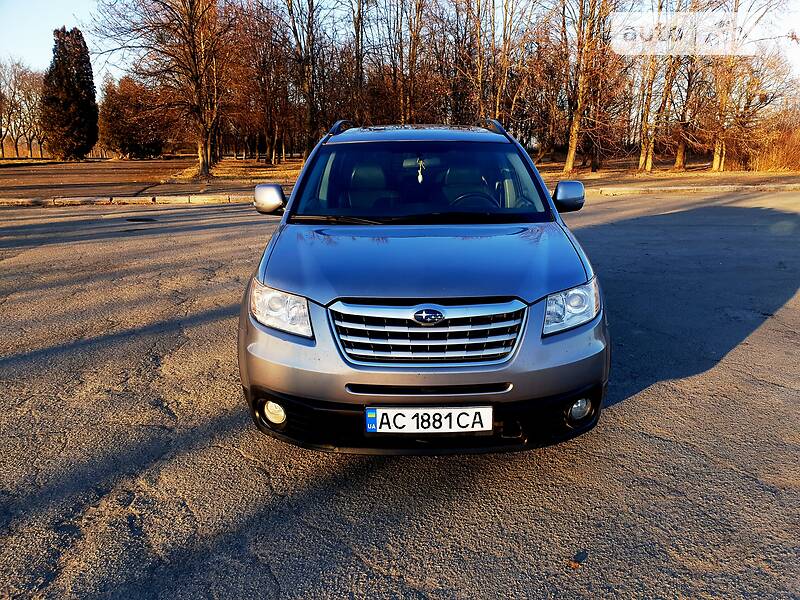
(372, 420)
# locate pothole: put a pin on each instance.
(140, 219)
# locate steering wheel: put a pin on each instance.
(475, 199)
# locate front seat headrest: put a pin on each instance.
(368, 177)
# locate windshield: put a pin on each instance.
(418, 182)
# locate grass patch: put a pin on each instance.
(230, 169)
(258, 172)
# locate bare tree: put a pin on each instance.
(180, 46)
(29, 113)
(5, 107)
(305, 22)
(11, 124)
(587, 27)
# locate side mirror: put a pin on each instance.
(268, 198)
(569, 196)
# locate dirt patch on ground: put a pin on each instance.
(230, 169)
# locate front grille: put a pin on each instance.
(389, 334)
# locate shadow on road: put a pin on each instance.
(92, 348)
(683, 289)
(96, 473)
(109, 227)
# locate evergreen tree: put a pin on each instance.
(69, 109)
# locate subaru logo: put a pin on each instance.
(428, 316)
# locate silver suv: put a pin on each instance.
(422, 295)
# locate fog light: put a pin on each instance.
(580, 409)
(274, 413)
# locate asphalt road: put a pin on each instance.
(128, 466)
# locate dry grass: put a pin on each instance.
(252, 171)
(249, 171)
(784, 153)
(187, 174)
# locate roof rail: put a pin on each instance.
(339, 126)
(492, 125)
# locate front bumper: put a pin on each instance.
(336, 427)
(324, 394)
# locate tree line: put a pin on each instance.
(265, 78)
(20, 100)
(56, 109)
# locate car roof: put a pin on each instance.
(413, 133)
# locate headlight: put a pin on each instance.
(571, 308)
(280, 310)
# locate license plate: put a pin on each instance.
(459, 419)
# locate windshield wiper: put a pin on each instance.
(344, 219)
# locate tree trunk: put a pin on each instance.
(274, 157)
(574, 132)
(646, 135)
(666, 94)
(719, 147)
(585, 63)
(16, 147)
(268, 149)
(546, 148)
(645, 139)
(202, 157)
(209, 152)
(680, 155)
(648, 163)
(311, 115)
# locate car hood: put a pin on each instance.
(327, 262)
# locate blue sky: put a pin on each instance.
(26, 30)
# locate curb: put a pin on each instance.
(125, 200)
(696, 189)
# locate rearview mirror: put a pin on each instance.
(568, 196)
(268, 198)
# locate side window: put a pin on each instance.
(325, 184)
(317, 193)
(519, 192)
